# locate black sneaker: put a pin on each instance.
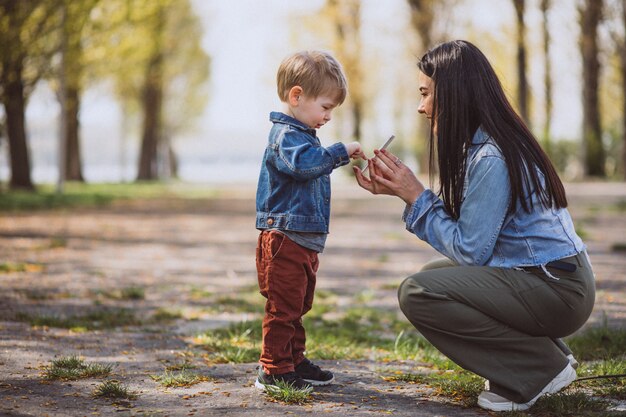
(313, 374)
(268, 382)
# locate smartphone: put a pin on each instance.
(385, 145)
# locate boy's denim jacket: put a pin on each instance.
(485, 233)
(294, 184)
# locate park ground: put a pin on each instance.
(146, 285)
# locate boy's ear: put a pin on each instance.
(294, 95)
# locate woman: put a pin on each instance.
(516, 277)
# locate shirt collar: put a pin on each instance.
(480, 137)
(278, 117)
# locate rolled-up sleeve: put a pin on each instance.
(470, 239)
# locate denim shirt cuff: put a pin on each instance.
(418, 208)
(339, 153)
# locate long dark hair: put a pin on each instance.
(468, 95)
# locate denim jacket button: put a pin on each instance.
(270, 221)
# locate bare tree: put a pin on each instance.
(591, 14)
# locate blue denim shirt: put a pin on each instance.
(293, 192)
(485, 234)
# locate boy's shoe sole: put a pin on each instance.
(317, 383)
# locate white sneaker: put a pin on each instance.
(572, 361)
(494, 402)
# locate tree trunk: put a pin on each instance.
(623, 70)
(422, 21)
(547, 76)
(594, 156)
(522, 83)
(152, 124)
(14, 107)
(73, 166)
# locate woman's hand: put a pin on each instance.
(388, 175)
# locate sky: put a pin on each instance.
(247, 39)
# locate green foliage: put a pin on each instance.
(136, 34)
(73, 367)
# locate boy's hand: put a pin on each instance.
(355, 151)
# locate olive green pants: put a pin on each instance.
(502, 324)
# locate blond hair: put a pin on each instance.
(318, 73)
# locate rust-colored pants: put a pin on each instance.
(286, 273)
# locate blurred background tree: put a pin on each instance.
(149, 54)
(25, 57)
(590, 18)
(159, 68)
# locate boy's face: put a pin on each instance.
(314, 112)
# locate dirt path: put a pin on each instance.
(77, 261)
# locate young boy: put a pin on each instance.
(293, 210)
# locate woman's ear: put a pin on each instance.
(294, 95)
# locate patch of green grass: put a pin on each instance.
(198, 293)
(114, 390)
(7, 267)
(620, 206)
(57, 242)
(568, 404)
(76, 194)
(132, 293)
(180, 366)
(127, 293)
(238, 343)
(287, 394)
(457, 384)
(599, 343)
(607, 386)
(73, 367)
(183, 378)
(390, 286)
(166, 314)
(238, 304)
(97, 320)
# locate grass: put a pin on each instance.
(457, 384)
(114, 390)
(96, 320)
(127, 293)
(73, 367)
(286, 393)
(8, 267)
(599, 343)
(239, 343)
(78, 194)
(183, 378)
(370, 333)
